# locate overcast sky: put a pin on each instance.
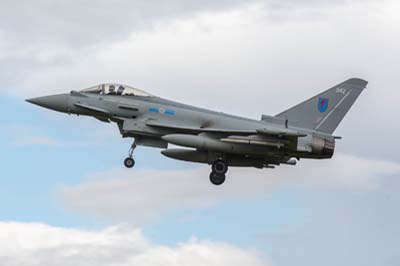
(65, 198)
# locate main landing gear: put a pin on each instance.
(130, 162)
(219, 169)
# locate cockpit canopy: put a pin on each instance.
(116, 89)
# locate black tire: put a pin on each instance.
(129, 162)
(217, 179)
(220, 167)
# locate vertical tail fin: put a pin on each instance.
(325, 111)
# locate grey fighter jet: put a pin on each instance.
(214, 138)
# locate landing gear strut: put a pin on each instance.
(219, 169)
(130, 162)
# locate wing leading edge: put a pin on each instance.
(272, 131)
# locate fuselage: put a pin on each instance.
(133, 114)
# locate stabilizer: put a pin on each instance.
(325, 111)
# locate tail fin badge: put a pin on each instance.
(323, 104)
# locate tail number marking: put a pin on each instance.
(341, 91)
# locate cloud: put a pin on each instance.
(47, 47)
(34, 244)
(34, 37)
(72, 24)
(345, 228)
(79, 24)
(23, 135)
(140, 196)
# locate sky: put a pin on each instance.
(66, 199)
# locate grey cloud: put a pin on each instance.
(143, 196)
(346, 229)
(30, 31)
(45, 24)
(41, 34)
(82, 23)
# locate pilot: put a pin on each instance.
(111, 90)
(120, 90)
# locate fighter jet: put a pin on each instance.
(304, 131)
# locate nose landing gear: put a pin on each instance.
(130, 162)
(219, 169)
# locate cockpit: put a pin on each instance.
(116, 89)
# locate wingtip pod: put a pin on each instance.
(357, 82)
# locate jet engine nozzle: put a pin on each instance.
(322, 146)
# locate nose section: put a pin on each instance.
(54, 102)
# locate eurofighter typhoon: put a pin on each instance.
(214, 138)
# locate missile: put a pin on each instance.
(291, 162)
(202, 142)
(186, 155)
(198, 142)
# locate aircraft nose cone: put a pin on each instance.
(53, 102)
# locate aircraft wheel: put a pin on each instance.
(220, 167)
(129, 162)
(217, 179)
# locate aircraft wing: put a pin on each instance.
(197, 130)
(269, 131)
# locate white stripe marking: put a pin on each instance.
(333, 110)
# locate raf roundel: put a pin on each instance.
(323, 104)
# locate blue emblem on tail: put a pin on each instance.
(323, 104)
